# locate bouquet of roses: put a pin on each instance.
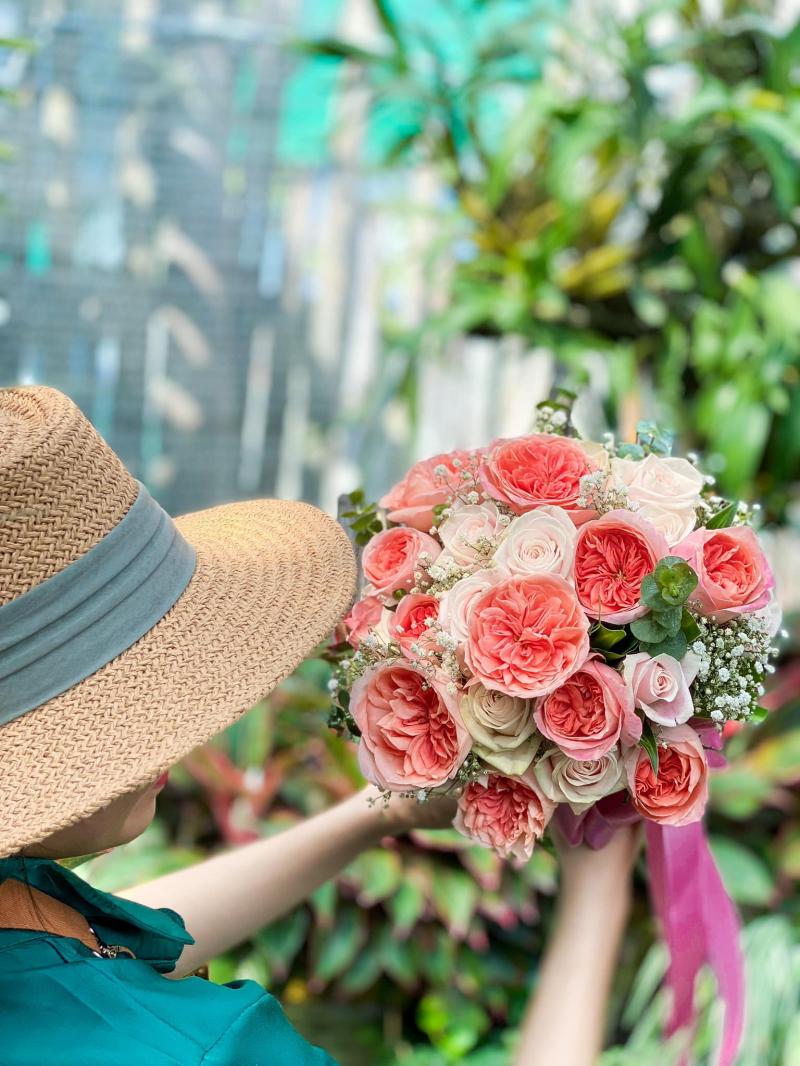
(551, 625)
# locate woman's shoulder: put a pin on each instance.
(61, 1005)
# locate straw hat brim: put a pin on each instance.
(271, 580)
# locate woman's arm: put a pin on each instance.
(225, 899)
(566, 1019)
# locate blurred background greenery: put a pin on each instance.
(616, 192)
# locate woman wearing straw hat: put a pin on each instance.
(126, 640)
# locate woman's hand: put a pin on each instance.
(398, 814)
(599, 877)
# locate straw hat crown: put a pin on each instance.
(259, 585)
(62, 489)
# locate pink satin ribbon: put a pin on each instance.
(698, 920)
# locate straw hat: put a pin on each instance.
(270, 578)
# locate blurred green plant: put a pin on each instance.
(636, 195)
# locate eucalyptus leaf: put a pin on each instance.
(649, 630)
(676, 646)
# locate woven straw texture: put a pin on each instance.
(272, 578)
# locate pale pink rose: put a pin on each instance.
(391, 558)
(660, 481)
(589, 713)
(526, 635)
(466, 527)
(457, 602)
(678, 795)
(508, 814)
(660, 685)
(541, 541)
(675, 524)
(364, 615)
(412, 500)
(526, 472)
(579, 782)
(502, 728)
(408, 623)
(612, 557)
(412, 735)
(733, 574)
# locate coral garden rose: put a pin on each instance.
(364, 615)
(660, 685)
(508, 814)
(457, 603)
(733, 574)
(579, 782)
(412, 735)
(502, 728)
(467, 529)
(589, 713)
(541, 541)
(678, 794)
(391, 558)
(612, 557)
(526, 635)
(410, 623)
(526, 472)
(412, 500)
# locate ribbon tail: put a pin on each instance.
(700, 926)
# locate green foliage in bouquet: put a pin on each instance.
(627, 187)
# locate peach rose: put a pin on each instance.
(678, 795)
(579, 782)
(502, 728)
(457, 603)
(412, 735)
(508, 814)
(364, 615)
(412, 500)
(408, 624)
(733, 574)
(660, 685)
(526, 472)
(465, 527)
(589, 713)
(391, 558)
(541, 541)
(612, 557)
(526, 635)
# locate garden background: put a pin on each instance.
(282, 247)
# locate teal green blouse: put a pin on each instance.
(62, 1004)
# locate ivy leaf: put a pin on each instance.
(649, 630)
(722, 519)
(650, 745)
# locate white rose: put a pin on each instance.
(467, 525)
(579, 782)
(457, 603)
(596, 452)
(502, 728)
(660, 685)
(772, 615)
(541, 541)
(660, 481)
(674, 523)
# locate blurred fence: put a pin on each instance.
(193, 249)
